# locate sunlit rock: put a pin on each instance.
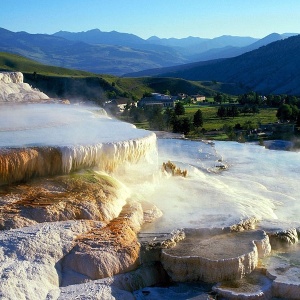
(253, 286)
(13, 89)
(281, 234)
(151, 212)
(86, 195)
(215, 257)
(30, 257)
(246, 224)
(171, 168)
(283, 267)
(11, 77)
(40, 140)
(110, 250)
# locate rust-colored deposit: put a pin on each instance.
(70, 197)
(171, 168)
(21, 164)
(104, 252)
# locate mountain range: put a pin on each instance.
(268, 65)
(120, 53)
(274, 68)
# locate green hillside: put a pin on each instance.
(272, 69)
(12, 62)
(85, 86)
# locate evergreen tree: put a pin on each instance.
(198, 119)
(298, 120)
(221, 113)
(186, 125)
(179, 109)
(169, 116)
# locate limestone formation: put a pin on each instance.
(119, 286)
(86, 195)
(172, 169)
(13, 89)
(151, 212)
(67, 235)
(280, 234)
(283, 267)
(254, 286)
(213, 258)
(110, 250)
(41, 140)
(30, 257)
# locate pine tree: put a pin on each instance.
(198, 119)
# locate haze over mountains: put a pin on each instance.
(268, 65)
(119, 53)
(274, 68)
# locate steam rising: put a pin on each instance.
(258, 183)
(39, 140)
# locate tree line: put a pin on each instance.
(164, 119)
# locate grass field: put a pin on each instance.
(212, 122)
(213, 125)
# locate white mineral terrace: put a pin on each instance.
(13, 89)
(75, 236)
(47, 139)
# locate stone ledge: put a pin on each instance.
(215, 258)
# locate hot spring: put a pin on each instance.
(44, 139)
(227, 183)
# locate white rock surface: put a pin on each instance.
(13, 89)
(252, 287)
(116, 287)
(281, 234)
(84, 195)
(215, 258)
(30, 258)
(283, 267)
(11, 77)
(108, 251)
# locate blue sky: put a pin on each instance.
(163, 18)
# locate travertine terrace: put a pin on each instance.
(72, 217)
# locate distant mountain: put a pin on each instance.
(190, 49)
(230, 51)
(192, 45)
(120, 53)
(96, 36)
(274, 68)
(101, 58)
(187, 49)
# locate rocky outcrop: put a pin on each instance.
(213, 258)
(110, 250)
(115, 287)
(280, 234)
(283, 267)
(86, 195)
(254, 286)
(13, 89)
(30, 257)
(55, 148)
(36, 260)
(11, 77)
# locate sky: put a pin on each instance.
(146, 18)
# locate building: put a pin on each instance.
(198, 98)
(158, 99)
